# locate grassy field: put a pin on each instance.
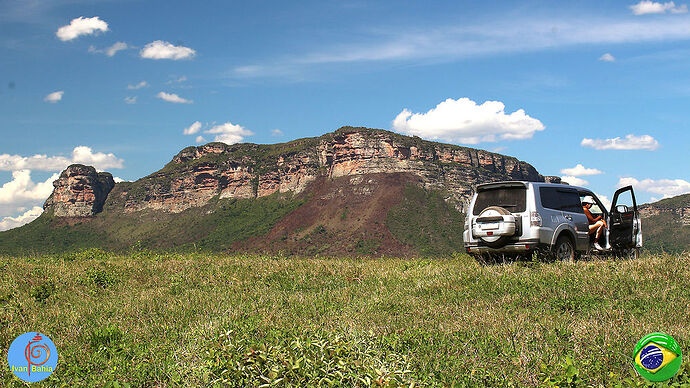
(150, 319)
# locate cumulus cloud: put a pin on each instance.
(229, 133)
(631, 142)
(54, 97)
(646, 7)
(607, 57)
(276, 132)
(192, 129)
(574, 180)
(163, 50)
(604, 200)
(140, 85)
(664, 187)
(81, 26)
(7, 223)
(465, 121)
(81, 154)
(200, 139)
(131, 100)
(174, 98)
(580, 170)
(22, 190)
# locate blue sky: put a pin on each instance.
(115, 83)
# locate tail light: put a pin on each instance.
(534, 219)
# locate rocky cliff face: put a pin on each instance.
(677, 207)
(198, 174)
(80, 191)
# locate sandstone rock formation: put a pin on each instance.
(80, 191)
(196, 175)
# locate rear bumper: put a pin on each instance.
(522, 246)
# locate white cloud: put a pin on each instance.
(22, 190)
(200, 139)
(574, 180)
(110, 51)
(131, 100)
(140, 85)
(174, 98)
(607, 57)
(631, 142)
(81, 154)
(229, 133)
(163, 50)
(118, 46)
(651, 7)
(81, 26)
(276, 132)
(580, 170)
(101, 161)
(464, 121)
(495, 36)
(54, 97)
(7, 223)
(604, 200)
(665, 187)
(192, 129)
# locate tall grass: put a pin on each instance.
(212, 320)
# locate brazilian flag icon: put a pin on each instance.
(657, 357)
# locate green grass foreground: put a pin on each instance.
(150, 319)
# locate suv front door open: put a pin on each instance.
(624, 223)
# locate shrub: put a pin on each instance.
(42, 291)
(100, 277)
(87, 254)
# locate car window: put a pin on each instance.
(513, 199)
(595, 209)
(560, 199)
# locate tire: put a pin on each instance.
(564, 249)
(502, 240)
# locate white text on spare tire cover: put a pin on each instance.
(494, 226)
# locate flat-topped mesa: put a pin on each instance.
(80, 191)
(198, 174)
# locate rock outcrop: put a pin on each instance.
(196, 175)
(677, 207)
(80, 191)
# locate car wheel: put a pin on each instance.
(564, 249)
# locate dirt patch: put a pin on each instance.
(344, 216)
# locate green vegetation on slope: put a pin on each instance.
(665, 232)
(428, 223)
(198, 320)
(213, 227)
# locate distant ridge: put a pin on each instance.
(355, 191)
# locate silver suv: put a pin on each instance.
(520, 218)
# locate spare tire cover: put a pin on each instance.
(498, 240)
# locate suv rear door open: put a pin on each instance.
(624, 220)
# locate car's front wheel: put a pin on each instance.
(564, 250)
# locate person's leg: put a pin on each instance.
(600, 229)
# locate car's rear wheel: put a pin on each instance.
(564, 250)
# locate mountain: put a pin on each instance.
(355, 191)
(666, 224)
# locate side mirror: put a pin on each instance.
(622, 209)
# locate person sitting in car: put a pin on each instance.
(596, 224)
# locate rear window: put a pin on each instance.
(513, 199)
(560, 199)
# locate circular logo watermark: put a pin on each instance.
(32, 357)
(657, 357)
